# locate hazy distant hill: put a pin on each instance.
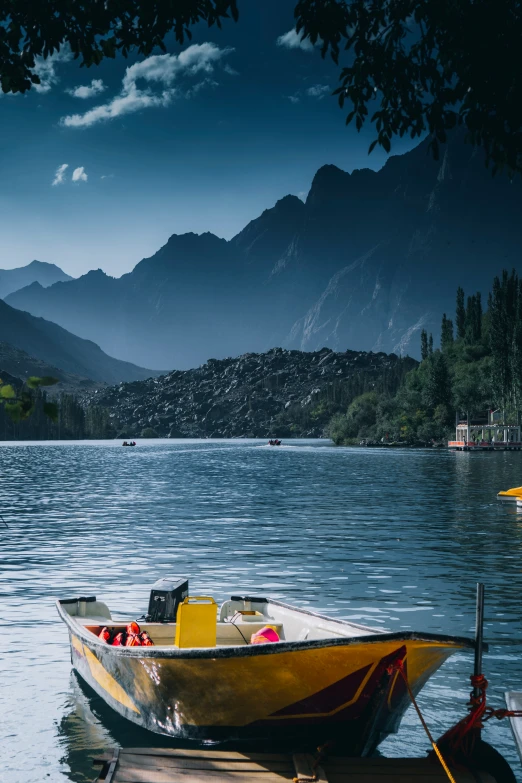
(37, 271)
(19, 364)
(55, 346)
(369, 260)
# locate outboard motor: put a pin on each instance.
(165, 597)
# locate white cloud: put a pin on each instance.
(79, 175)
(59, 177)
(199, 86)
(88, 91)
(46, 69)
(293, 40)
(107, 176)
(231, 71)
(163, 70)
(318, 90)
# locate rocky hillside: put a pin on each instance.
(368, 261)
(280, 393)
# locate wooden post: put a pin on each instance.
(479, 634)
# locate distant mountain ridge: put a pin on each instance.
(37, 271)
(59, 348)
(366, 262)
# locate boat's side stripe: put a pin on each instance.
(395, 693)
(342, 695)
(107, 681)
(330, 700)
(77, 645)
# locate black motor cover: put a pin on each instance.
(165, 597)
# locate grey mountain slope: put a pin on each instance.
(365, 263)
(20, 365)
(56, 346)
(37, 271)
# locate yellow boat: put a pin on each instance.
(325, 679)
(510, 494)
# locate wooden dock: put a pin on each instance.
(162, 765)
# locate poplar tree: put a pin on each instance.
(446, 333)
(424, 344)
(460, 317)
(430, 344)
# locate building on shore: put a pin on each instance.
(487, 432)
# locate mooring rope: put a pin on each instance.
(399, 666)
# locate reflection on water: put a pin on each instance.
(391, 538)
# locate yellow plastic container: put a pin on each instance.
(196, 622)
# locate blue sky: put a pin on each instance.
(203, 139)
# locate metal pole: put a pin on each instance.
(479, 634)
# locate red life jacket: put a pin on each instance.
(146, 641)
(104, 635)
(133, 640)
(119, 640)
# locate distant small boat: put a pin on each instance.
(131, 443)
(205, 677)
(274, 442)
(510, 494)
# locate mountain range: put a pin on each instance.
(37, 271)
(55, 346)
(365, 263)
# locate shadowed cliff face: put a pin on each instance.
(369, 260)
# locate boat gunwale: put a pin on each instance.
(241, 651)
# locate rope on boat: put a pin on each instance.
(461, 737)
(399, 666)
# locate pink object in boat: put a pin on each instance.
(264, 635)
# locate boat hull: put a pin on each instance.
(344, 690)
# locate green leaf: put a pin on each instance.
(7, 392)
(13, 410)
(51, 410)
(34, 382)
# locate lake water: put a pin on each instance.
(390, 538)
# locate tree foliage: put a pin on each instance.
(19, 399)
(414, 66)
(478, 370)
(427, 65)
(94, 30)
(424, 344)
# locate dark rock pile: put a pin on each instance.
(281, 393)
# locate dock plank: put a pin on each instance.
(128, 774)
(168, 765)
(185, 763)
(225, 755)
